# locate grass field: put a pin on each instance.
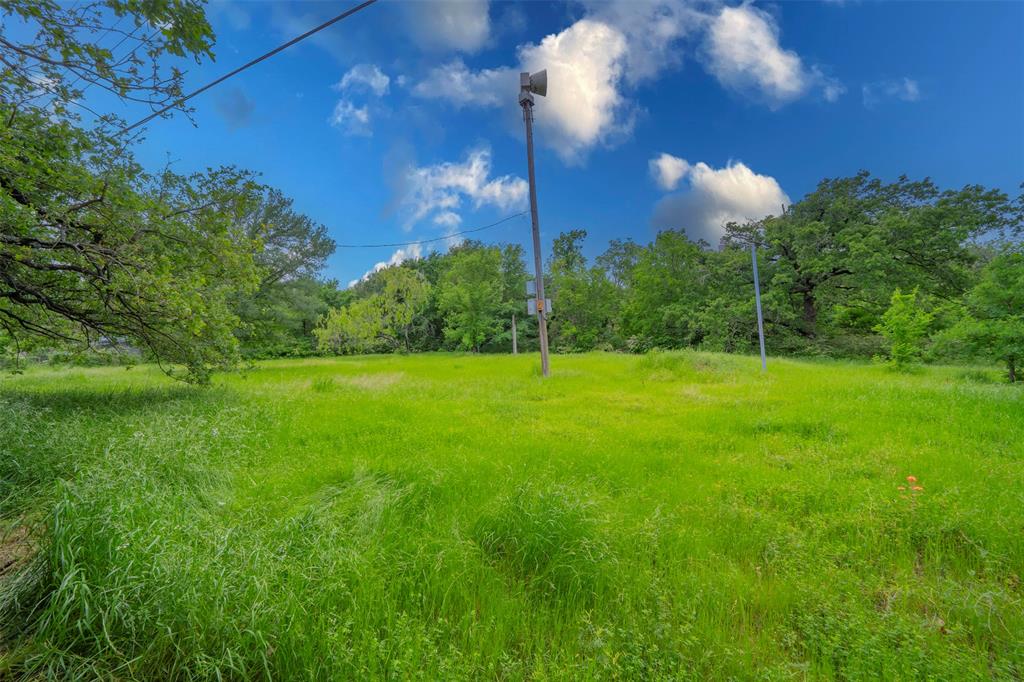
(446, 516)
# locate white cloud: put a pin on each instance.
(455, 83)
(743, 52)
(367, 76)
(411, 252)
(904, 89)
(832, 90)
(463, 25)
(347, 116)
(595, 62)
(350, 118)
(448, 219)
(652, 31)
(715, 197)
(439, 190)
(668, 170)
(584, 106)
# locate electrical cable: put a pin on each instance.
(435, 239)
(254, 62)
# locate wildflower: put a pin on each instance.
(911, 479)
(917, 488)
(901, 488)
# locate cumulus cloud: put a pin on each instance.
(584, 106)
(463, 25)
(348, 116)
(454, 82)
(742, 51)
(365, 76)
(668, 170)
(438, 191)
(904, 89)
(716, 196)
(595, 62)
(652, 31)
(351, 119)
(411, 252)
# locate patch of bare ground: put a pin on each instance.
(16, 547)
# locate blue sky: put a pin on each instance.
(401, 123)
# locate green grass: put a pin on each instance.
(450, 516)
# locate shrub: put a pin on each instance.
(904, 326)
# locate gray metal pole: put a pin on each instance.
(757, 297)
(515, 336)
(542, 322)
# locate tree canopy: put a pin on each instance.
(834, 269)
(94, 249)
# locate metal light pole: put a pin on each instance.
(757, 297)
(528, 85)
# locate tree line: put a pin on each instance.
(199, 271)
(857, 268)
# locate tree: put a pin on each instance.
(291, 250)
(64, 57)
(584, 299)
(91, 247)
(404, 296)
(278, 319)
(291, 245)
(513, 299)
(904, 325)
(847, 245)
(355, 328)
(994, 324)
(380, 321)
(727, 316)
(619, 260)
(470, 297)
(670, 281)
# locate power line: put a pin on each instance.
(268, 55)
(436, 239)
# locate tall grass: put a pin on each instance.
(676, 515)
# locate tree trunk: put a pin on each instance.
(810, 312)
(1011, 366)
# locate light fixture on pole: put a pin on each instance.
(537, 84)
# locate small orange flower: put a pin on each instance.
(911, 479)
(918, 488)
(901, 487)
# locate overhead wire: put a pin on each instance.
(347, 13)
(181, 100)
(435, 239)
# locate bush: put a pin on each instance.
(904, 325)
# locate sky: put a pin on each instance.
(401, 123)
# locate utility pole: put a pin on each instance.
(757, 298)
(528, 85)
(515, 336)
